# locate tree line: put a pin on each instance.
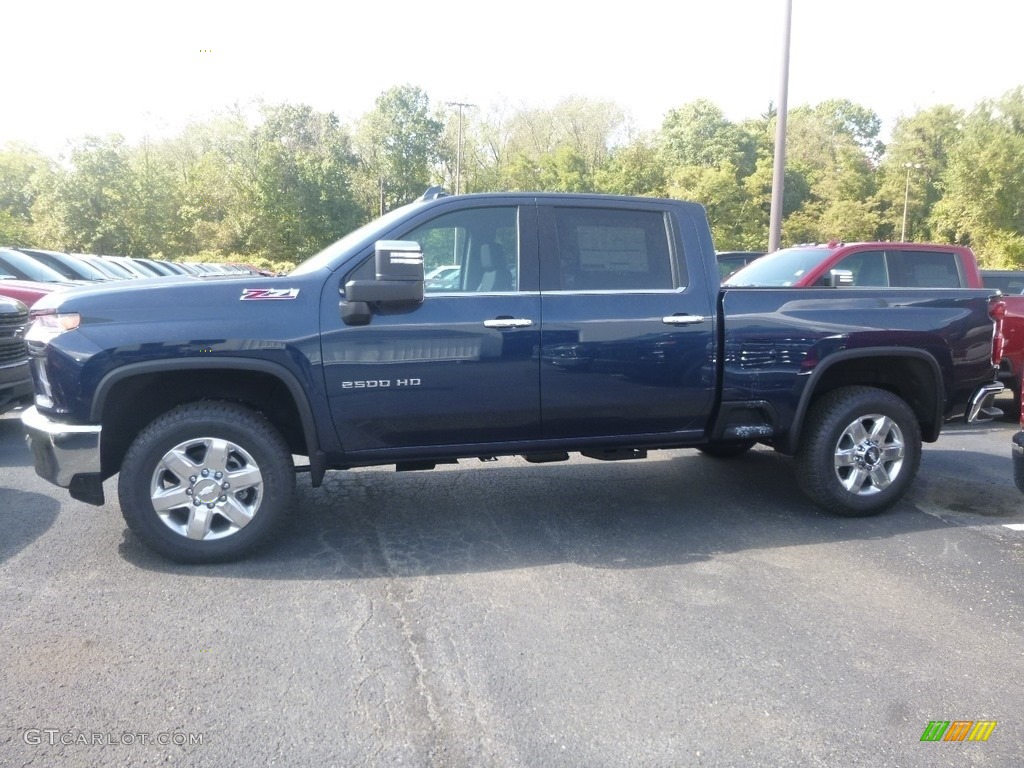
(276, 183)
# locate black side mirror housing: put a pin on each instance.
(838, 278)
(399, 272)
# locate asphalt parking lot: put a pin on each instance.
(670, 612)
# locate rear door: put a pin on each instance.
(627, 334)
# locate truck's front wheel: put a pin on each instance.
(860, 451)
(206, 482)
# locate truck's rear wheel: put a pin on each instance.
(860, 451)
(206, 482)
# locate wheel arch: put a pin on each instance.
(156, 386)
(912, 374)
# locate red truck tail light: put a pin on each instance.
(997, 311)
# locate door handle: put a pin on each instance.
(683, 319)
(508, 322)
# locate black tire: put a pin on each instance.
(726, 450)
(855, 477)
(166, 464)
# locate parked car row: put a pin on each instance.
(28, 274)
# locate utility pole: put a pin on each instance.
(779, 172)
(458, 154)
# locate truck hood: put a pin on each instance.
(174, 296)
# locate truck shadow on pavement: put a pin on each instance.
(24, 517)
(678, 508)
(13, 450)
(969, 483)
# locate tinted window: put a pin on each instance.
(868, 267)
(1007, 282)
(472, 250)
(613, 250)
(923, 269)
(27, 268)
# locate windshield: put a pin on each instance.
(367, 233)
(28, 268)
(781, 268)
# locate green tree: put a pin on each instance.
(397, 144)
(698, 134)
(923, 142)
(832, 146)
(557, 149)
(22, 171)
(633, 169)
(13, 231)
(86, 207)
(717, 190)
(304, 185)
(983, 202)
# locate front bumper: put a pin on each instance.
(15, 386)
(12, 397)
(1018, 460)
(67, 455)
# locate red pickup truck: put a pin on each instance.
(872, 265)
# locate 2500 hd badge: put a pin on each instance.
(380, 383)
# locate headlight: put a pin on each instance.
(47, 324)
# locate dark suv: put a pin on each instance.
(15, 380)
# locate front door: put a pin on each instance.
(459, 369)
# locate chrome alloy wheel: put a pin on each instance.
(869, 454)
(206, 488)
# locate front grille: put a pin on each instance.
(13, 324)
(13, 352)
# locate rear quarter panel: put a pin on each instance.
(774, 340)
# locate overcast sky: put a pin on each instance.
(138, 68)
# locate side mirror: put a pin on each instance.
(838, 278)
(399, 271)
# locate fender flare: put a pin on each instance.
(792, 439)
(316, 456)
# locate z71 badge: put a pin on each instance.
(268, 294)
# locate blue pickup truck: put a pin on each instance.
(583, 323)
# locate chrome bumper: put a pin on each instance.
(62, 451)
(980, 408)
(1018, 460)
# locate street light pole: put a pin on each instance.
(779, 172)
(906, 199)
(458, 153)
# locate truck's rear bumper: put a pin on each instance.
(980, 407)
(63, 452)
(1018, 460)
